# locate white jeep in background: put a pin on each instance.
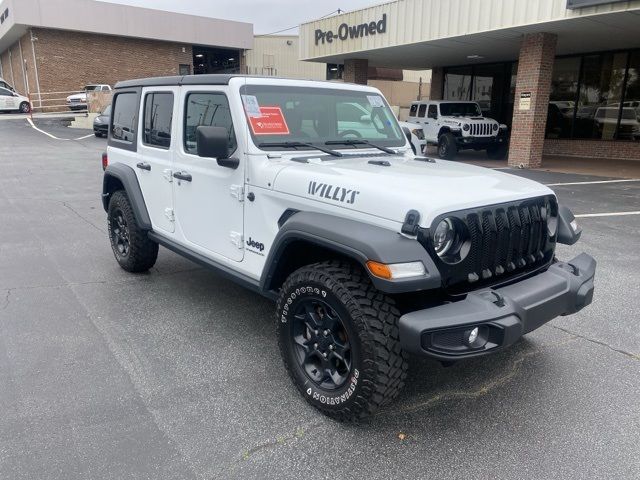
(309, 193)
(455, 125)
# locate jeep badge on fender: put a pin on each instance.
(439, 259)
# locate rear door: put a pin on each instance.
(431, 122)
(154, 168)
(208, 197)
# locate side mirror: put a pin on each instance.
(365, 118)
(213, 142)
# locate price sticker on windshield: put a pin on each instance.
(251, 105)
(375, 101)
(270, 122)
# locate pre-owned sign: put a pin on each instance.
(346, 31)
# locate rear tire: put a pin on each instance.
(497, 152)
(339, 340)
(25, 107)
(447, 148)
(131, 246)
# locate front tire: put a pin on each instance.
(25, 107)
(131, 246)
(447, 148)
(338, 337)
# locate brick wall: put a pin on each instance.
(16, 65)
(535, 67)
(356, 70)
(6, 68)
(593, 148)
(69, 60)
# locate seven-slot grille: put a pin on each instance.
(505, 240)
(481, 129)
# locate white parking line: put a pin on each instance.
(42, 131)
(86, 136)
(620, 180)
(611, 214)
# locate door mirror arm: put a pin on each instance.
(229, 162)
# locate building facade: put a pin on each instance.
(50, 46)
(563, 74)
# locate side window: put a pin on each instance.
(4, 92)
(421, 110)
(413, 110)
(158, 113)
(125, 117)
(433, 111)
(207, 109)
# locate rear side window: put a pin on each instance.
(158, 114)
(207, 109)
(422, 110)
(125, 117)
(433, 111)
(413, 110)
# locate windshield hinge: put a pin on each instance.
(237, 239)
(237, 191)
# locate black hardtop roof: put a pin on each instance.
(206, 79)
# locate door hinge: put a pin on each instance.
(168, 212)
(237, 191)
(168, 175)
(237, 239)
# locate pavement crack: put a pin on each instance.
(298, 433)
(6, 299)
(83, 219)
(479, 392)
(631, 355)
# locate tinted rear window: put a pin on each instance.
(125, 117)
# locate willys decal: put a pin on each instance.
(332, 192)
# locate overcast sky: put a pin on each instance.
(266, 15)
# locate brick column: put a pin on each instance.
(535, 67)
(437, 83)
(356, 70)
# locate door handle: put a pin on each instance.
(183, 176)
(144, 166)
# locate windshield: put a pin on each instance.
(107, 111)
(315, 116)
(461, 109)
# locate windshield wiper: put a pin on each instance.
(360, 142)
(300, 144)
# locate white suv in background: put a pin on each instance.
(455, 125)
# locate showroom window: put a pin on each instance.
(595, 96)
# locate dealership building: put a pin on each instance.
(49, 46)
(563, 74)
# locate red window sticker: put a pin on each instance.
(270, 122)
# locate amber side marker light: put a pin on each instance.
(396, 271)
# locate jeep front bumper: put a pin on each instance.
(496, 318)
(461, 141)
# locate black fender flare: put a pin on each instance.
(119, 173)
(357, 240)
(566, 234)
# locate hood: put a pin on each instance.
(407, 183)
(77, 96)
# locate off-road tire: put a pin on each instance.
(370, 319)
(142, 253)
(497, 152)
(97, 134)
(447, 148)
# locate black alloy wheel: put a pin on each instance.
(321, 344)
(120, 230)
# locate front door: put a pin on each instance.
(7, 100)
(431, 122)
(208, 197)
(154, 165)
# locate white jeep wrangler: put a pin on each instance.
(455, 125)
(370, 252)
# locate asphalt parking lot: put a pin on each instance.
(176, 373)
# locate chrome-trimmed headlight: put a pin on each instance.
(466, 127)
(551, 218)
(451, 240)
(495, 127)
